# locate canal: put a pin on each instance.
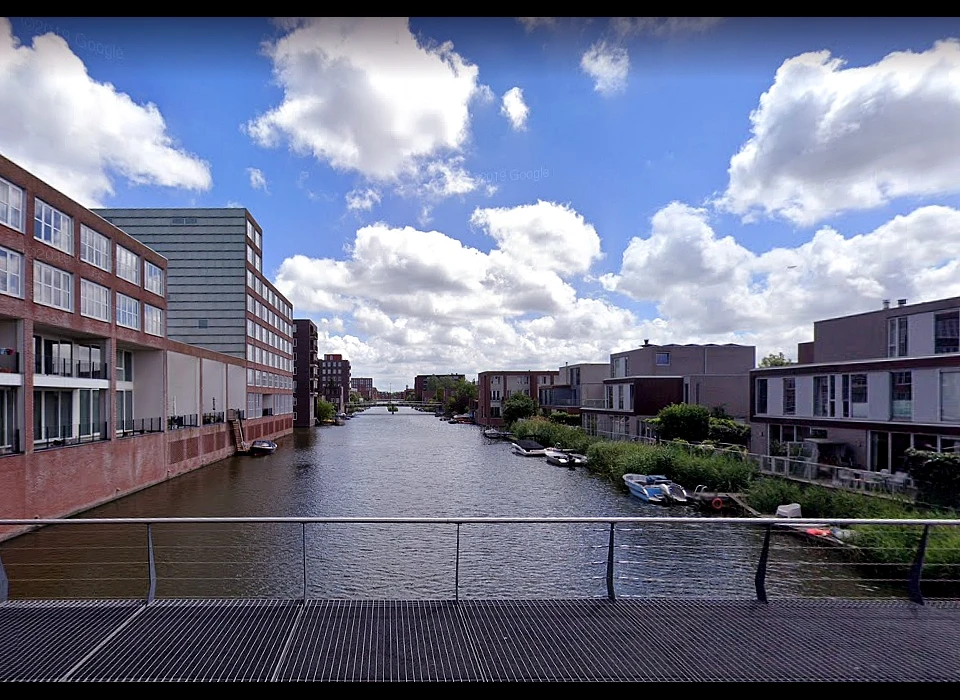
(408, 464)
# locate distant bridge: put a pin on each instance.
(396, 402)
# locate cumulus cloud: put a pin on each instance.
(364, 95)
(608, 65)
(662, 26)
(515, 109)
(827, 138)
(79, 134)
(362, 200)
(531, 23)
(257, 179)
(711, 286)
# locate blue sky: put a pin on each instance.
(459, 195)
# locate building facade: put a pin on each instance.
(577, 385)
(363, 386)
(494, 388)
(218, 296)
(306, 372)
(335, 380)
(870, 386)
(425, 385)
(645, 380)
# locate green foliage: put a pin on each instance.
(462, 395)
(775, 360)
(564, 418)
(729, 431)
(937, 475)
(392, 408)
(324, 410)
(683, 421)
(355, 397)
(547, 432)
(517, 407)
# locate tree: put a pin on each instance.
(462, 396)
(324, 410)
(683, 421)
(355, 397)
(775, 360)
(518, 406)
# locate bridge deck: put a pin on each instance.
(533, 640)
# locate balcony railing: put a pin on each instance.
(561, 402)
(180, 422)
(593, 403)
(9, 361)
(212, 418)
(139, 426)
(66, 435)
(80, 369)
(268, 412)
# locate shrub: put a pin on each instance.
(683, 421)
(728, 431)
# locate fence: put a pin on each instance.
(139, 426)
(64, 435)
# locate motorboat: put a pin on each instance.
(655, 488)
(263, 447)
(560, 457)
(529, 448)
(496, 434)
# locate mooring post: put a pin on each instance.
(761, 578)
(611, 594)
(152, 565)
(913, 586)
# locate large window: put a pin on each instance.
(11, 205)
(946, 332)
(124, 366)
(52, 286)
(950, 396)
(663, 359)
(853, 395)
(11, 273)
(821, 395)
(789, 396)
(91, 411)
(901, 395)
(94, 248)
(94, 300)
(152, 320)
(153, 278)
(124, 410)
(52, 415)
(53, 227)
(128, 265)
(897, 337)
(128, 312)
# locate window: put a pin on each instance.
(761, 395)
(789, 396)
(901, 395)
(946, 334)
(663, 359)
(257, 262)
(153, 278)
(94, 301)
(250, 255)
(52, 286)
(950, 396)
(11, 205)
(897, 337)
(53, 227)
(128, 312)
(11, 273)
(91, 411)
(152, 320)
(124, 366)
(94, 248)
(250, 230)
(858, 388)
(259, 240)
(128, 265)
(124, 410)
(619, 368)
(820, 396)
(52, 415)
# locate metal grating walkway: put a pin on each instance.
(533, 640)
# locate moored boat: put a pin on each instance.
(528, 448)
(655, 488)
(263, 447)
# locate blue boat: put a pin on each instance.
(655, 488)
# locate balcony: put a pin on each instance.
(139, 426)
(80, 369)
(66, 435)
(185, 421)
(9, 361)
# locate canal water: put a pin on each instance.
(408, 464)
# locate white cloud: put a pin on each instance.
(608, 65)
(257, 179)
(514, 108)
(662, 26)
(364, 95)
(233, 204)
(827, 138)
(531, 23)
(103, 134)
(362, 200)
(708, 286)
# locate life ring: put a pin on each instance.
(717, 503)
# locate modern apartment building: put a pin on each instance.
(218, 297)
(645, 380)
(306, 372)
(494, 388)
(335, 380)
(363, 386)
(577, 385)
(95, 401)
(866, 388)
(422, 385)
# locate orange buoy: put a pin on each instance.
(717, 503)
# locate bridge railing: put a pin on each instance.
(565, 557)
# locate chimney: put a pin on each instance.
(646, 342)
(886, 303)
(901, 302)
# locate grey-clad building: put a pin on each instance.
(218, 297)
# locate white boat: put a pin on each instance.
(263, 447)
(496, 434)
(655, 489)
(529, 448)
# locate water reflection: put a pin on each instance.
(406, 464)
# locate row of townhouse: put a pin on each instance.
(121, 355)
(868, 387)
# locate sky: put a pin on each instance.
(459, 195)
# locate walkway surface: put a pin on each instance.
(539, 640)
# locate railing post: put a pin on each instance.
(153, 569)
(456, 579)
(4, 584)
(761, 578)
(916, 570)
(303, 553)
(611, 594)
